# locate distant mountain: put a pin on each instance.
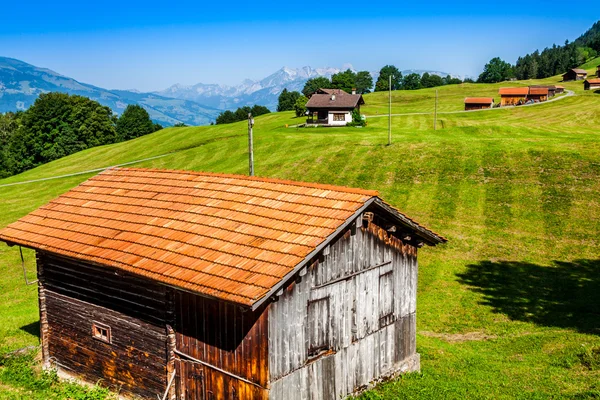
(22, 83)
(265, 91)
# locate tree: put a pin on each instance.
(495, 71)
(257, 110)
(227, 117)
(300, 106)
(134, 122)
(382, 83)
(345, 80)
(411, 82)
(287, 100)
(363, 82)
(429, 81)
(314, 84)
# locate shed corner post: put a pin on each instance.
(170, 345)
(43, 312)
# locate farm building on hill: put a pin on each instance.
(332, 107)
(208, 286)
(478, 103)
(513, 96)
(575, 74)
(598, 71)
(559, 89)
(538, 94)
(591, 84)
(551, 89)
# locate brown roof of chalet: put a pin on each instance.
(479, 100)
(577, 71)
(538, 91)
(514, 91)
(334, 99)
(593, 81)
(230, 237)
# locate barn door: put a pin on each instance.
(192, 381)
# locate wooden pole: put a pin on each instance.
(390, 112)
(250, 145)
(435, 111)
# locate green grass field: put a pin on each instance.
(509, 308)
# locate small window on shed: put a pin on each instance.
(318, 326)
(101, 332)
(339, 117)
(386, 299)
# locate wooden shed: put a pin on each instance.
(513, 96)
(195, 285)
(478, 103)
(575, 74)
(551, 89)
(559, 89)
(538, 94)
(598, 71)
(591, 84)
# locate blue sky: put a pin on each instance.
(150, 46)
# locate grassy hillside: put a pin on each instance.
(508, 308)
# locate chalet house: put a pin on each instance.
(332, 107)
(538, 94)
(575, 74)
(513, 96)
(591, 84)
(189, 285)
(478, 103)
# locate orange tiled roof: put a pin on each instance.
(514, 91)
(538, 91)
(225, 236)
(593, 81)
(479, 100)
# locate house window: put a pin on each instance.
(101, 332)
(386, 299)
(339, 117)
(318, 326)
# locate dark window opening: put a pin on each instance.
(318, 326)
(101, 332)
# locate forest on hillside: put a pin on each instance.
(60, 124)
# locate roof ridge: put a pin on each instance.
(324, 186)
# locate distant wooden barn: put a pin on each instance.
(513, 96)
(559, 89)
(598, 71)
(207, 286)
(538, 94)
(575, 74)
(551, 89)
(478, 103)
(591, 84)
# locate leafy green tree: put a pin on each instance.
(345, 80)
(300, 106)
(449, 80)
(363, 82)
(314, 84)
(287, 100)
(9, 124)
(411, 82)
(257, 110)
(382, 83)
(227, 117)
(134, 122)
(429, 81)
(495, 71)
(57, 125)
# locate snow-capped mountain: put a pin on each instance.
(264, 92)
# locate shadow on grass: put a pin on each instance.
(32, 328)
(566, 294)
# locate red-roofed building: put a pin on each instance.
(478, 103)
(191, 285)
(591, 84)
(513, 96)
(538, 94)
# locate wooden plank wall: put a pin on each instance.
(372, 327)
(76, 295)
(226, 337)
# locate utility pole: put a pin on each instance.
(435, 111)
(390, 112)
(250, 144)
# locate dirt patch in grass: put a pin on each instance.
(459, 337)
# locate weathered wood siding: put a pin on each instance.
(507, 100)
(76, 295)
(349, 321)
(226, 338)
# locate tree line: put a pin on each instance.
(362, 82)
(549, 62)
(227, 117)
(59, 124)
